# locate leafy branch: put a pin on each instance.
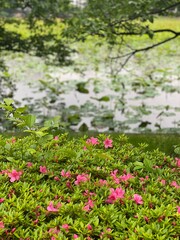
(130, 54)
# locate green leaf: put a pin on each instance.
(83, 128)
(177, 150)
(31, 150)
(8, 101)
(30, 120)
(81, 87)
(148, 165)
(104, 99)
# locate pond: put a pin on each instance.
(92, 95)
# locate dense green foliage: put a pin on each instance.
(45, 193)
(41, 40)
(84, 188)
(114, 20)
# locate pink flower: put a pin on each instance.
(14, 175)
(13, 140)
(56, 138)
(29, 164)
(89, 227)
(163, 182)
(43, 169)
(108, 143)
(178, 209)
(103, 182)
(1, 224)
(36, 221)
(65, 174)
(86, 208)
(56, 178)
(66, 227)
(75, 236)
(138, 199)
(92, 140)
(81, 178)
(116, 194)
(54, 230)
(126, 177)
(1, 200)
(177, 161)
(174, 184)
(88, 205)
(115, 178)
(146, 219)
(51, 207)
(87, 193)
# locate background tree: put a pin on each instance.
(113, 20)
(39, 17)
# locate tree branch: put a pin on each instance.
(152, 12)
(154, 31)
(156, 11)
(129, 55)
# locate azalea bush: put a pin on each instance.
(54, 187)
(87, 188)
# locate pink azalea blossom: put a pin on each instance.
(115, 178)
(36, 221)
(177, 161)
(146, 219)
(56, 178)
(116, 194)
(51, 207)
(81, 178)
(126, 177)
(29, 164)
(66, 227)
(92, 140)
(1, 200)
(89, 227)
(174, 184)
(88, 205)
(54, 231)
(163, 181)
(108, 143)
(1, 224)
(87, 193)
(14, 175)
(86, 208)
(65, 174)
(103, 182)
(13, 140)
(75, 236)
(138, 199)
(56, 138)
(13, 230)
(178, 209)
(43, 169)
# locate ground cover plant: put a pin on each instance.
(84, 188)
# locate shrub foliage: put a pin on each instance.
(96, 188)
